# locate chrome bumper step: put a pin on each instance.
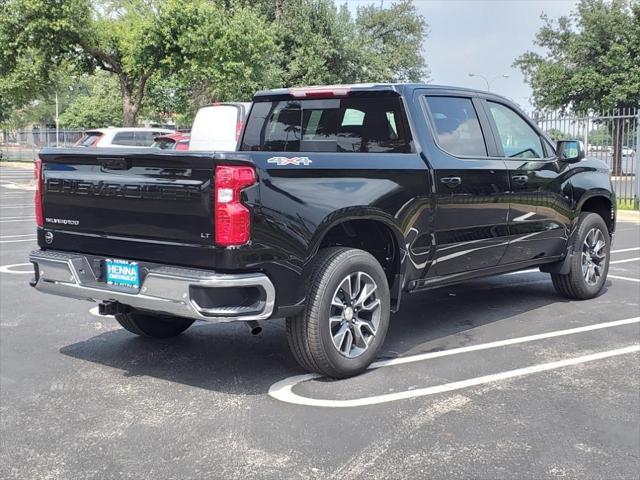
(165, 289)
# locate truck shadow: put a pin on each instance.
(226, 358)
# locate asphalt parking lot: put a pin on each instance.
(498, 378)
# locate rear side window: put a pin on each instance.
(123, 138)
(457, 126)
(135, 138)
(328, 125)
(518, 138)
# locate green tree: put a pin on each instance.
(599, 136)
(97, 103)
(128, 39)
(591, 62)
(322, 43)
(391, 40)
(555, 134)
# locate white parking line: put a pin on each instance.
(2, 237)
(16, 220)
(617, 277)
(626, 250)
(18, 241)
(627, 260)
(283, 390)
(96, 312)
(24, 205)
(11, 269)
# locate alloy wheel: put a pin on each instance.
(355, 314)
(594, 256)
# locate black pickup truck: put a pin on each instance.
(339, 201)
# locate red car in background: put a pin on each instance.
(172, 141)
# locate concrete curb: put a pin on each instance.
(27, 165)
(629, 216)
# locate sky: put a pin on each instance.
(482, 37)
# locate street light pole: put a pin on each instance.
(487, 81)
(57, 122)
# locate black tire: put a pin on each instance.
(310, 335)
(153, 326)
(574, 285)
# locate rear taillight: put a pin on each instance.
(37, 171)
(232, 218)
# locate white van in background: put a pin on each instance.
(218, 126)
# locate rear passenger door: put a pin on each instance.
(539, 214)
(471, 186)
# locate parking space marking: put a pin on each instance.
(30, 219)
(627, 260)
(2, 237)
(283, 390)
(96, 312)
(617, 277)
(626, 250)
(11, 269)
(289, 383)
(18, 241)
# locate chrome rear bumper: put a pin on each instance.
(165, 289)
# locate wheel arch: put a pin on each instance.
(369, 230)
(601, 203)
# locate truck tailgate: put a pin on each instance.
(158, 196)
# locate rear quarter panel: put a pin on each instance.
(299, 204)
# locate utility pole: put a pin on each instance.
(57, 122)
(636, 157)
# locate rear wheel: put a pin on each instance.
(590, 260)
(346, 318)
(152, 325)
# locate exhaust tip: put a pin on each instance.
(254, 327)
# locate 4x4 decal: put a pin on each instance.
(281, 161)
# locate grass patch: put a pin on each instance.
(627, 204)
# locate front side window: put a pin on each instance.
(328, 125)
(518, 138)
(457, 126)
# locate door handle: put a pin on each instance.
(451, 182)
(520, 179)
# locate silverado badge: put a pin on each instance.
(280, 161)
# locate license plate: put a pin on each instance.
(122, 273)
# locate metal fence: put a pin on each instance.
(24, 145)
(613, 137)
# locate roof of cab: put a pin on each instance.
(317, 91)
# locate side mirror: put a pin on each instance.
(570, 151)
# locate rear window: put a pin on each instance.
(134, 138)
(164, 143)
(328, 125)
(88, 139)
